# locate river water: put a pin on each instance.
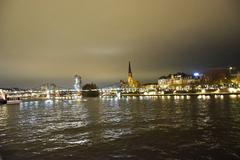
(127, 128)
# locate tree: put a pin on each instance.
(88, 90)
(89, 86)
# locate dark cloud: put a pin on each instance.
(53, 40)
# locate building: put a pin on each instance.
(150, 86)
(132, 83)
(49, 89)
(77, 82)
(48, 86)
(178, 81)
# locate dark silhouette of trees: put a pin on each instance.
(89, 86)
(89, 90)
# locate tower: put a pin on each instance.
(77, 82)
(131, 82)
(129, 70)
(130, 78)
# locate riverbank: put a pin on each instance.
(183, 94)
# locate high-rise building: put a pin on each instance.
(77, 82)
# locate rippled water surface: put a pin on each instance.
(126, 128)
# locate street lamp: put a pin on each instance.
(230, 70)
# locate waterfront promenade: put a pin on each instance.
(71, 94)
(183, 94)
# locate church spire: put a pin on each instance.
(129, 69)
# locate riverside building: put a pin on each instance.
(178, 81)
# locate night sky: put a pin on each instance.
(52, 40)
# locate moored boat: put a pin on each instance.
(3, 98)
(2, 101)
(13, 100)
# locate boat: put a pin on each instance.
(3, 97)
(13, 100)
(2, 101)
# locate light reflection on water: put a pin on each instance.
(126, 128)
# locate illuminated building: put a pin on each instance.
(77, 82)
(48, 86)
(178, 81)
(49, 89)
(131, 82)
(150, 86)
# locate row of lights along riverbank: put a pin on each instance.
(216, 81)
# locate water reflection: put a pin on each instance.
(167, 126)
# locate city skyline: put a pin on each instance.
(126, 78)
(51, 41)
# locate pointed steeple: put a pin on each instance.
(129, 69)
